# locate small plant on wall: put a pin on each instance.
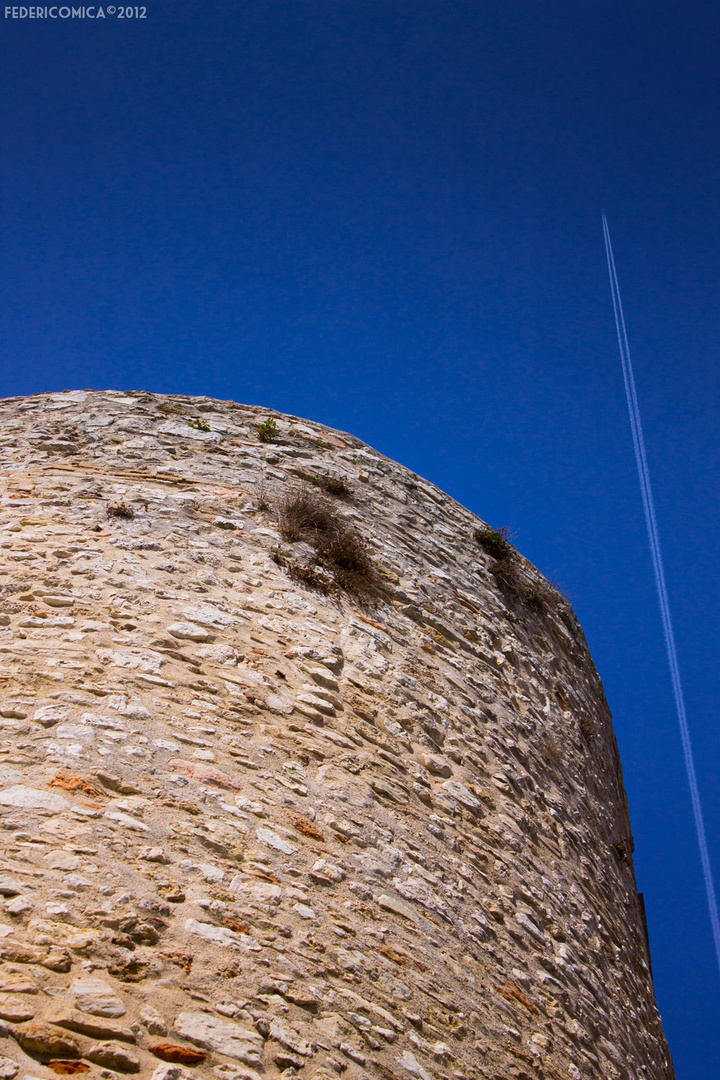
(267, 431)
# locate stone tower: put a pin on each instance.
(305, 771)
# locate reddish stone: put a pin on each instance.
(178, 1055)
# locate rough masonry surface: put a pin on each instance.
(257, 825)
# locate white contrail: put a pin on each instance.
(653, 537)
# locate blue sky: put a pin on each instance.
(385, 216)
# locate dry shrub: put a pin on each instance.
(341, 561)
(170, 408)
(344, 553)
(587, 727)
(120, 510)
(509, 576)
(332, 485)
(535, 597)
(508, 571)
(303, 515)
(620, 850)
(495, 541)
(311, 576)
(550, 750)
(505, 572)
(262, 502)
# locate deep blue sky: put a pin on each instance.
(385, 215)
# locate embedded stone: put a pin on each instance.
(463, 795)
(112, 1055)
(83, 1024)
(223, 1036)
(46, 1040)
(411, 1065)
(436, 764)
(289, 1038)
(8, 1068)
(189, 631)
(389, 903)
(271, 838)
(17, 1007)
(170, 1072)
(27, 798)
(219, 935)
(152, 1021)
(10, 887)
(96, 997)
(13, 982)
(180, 1055)
(67, 1067)
(45, 932)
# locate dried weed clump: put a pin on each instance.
(587, 728)
(550, 750)
(495, 541)
(336, 486)
(262, 501)
(312, 576)
(344, 553)
(509, 576)
(304, 515)
(341, 558)
(508, 571)
(120, 510)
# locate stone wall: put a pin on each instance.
(261, 817)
